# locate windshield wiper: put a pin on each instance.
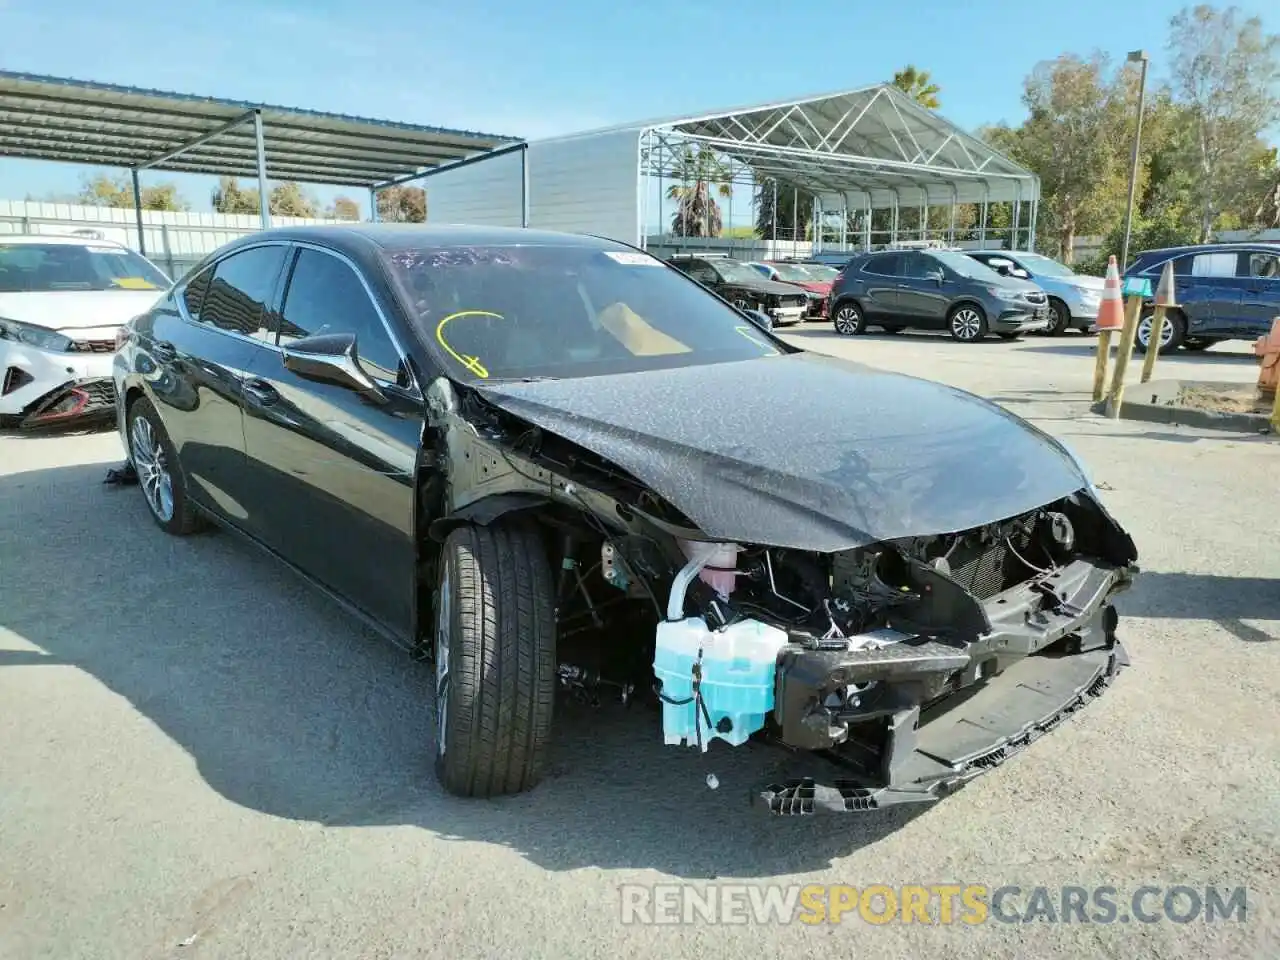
(536, 379)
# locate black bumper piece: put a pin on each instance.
(1005, 714)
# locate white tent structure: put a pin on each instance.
(868, 149)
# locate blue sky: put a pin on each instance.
(538, 69)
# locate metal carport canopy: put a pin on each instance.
(53, 118)
(872, 147)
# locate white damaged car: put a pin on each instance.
(63, 300)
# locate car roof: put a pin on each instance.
(1210, 248)
(58, 238)
(393, 237)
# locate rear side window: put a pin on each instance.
(885, 264)
(326, 296)
(241, 289)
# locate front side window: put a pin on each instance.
(241, 289)
(54, 267)
(702, 272)
(326, 296)
(565, 310)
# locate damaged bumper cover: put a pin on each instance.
(914, 721)
(73, 401)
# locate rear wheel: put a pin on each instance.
(967, 323)
(494, 659)
(849, 320)
(1173, 332)
(159, 473)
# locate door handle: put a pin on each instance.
(261, 391)
(164, 351)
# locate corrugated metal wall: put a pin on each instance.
(487, 193)
(581, 184)
(587, 184)
(175, 241)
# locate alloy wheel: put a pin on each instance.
(848, 320)
(1144, 331)
(152, 466)
(966, 323)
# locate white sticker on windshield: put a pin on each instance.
(103, 249)
(627, 258)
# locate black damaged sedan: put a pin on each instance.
(551, 463)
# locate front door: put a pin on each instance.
(1260, 298)
(921, 296)
(334, 468)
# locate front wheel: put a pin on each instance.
(1172, 332)
(967, 323)
(848, 320)
(495, 660)
(1059, 319)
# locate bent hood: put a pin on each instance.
(805, 450)
(67, 310)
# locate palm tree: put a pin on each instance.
(697, 213)
(917, 85)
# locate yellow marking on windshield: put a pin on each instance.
(472, 364)
(134, 283)
(746, 332)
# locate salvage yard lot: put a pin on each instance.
(200, 756)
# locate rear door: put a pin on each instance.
(1260, 298)
(881, 275)
(204, 338)
(333, 467)
(1209, 290)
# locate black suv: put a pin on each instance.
(745, 287)
(934, 290)
(1224, 291)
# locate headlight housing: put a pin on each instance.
(1003, 293)
(32, 335)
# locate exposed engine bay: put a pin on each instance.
(845, 653)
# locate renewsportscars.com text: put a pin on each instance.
(939, 904)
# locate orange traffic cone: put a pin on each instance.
(1111, 313)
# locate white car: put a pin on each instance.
(63, 300)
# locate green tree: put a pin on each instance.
(230, 197)
(1225, 70)
(343, 208)
(290, 200)
(402, 205)
(1076, 138)
(107, 191)
(794, 212)
(918, 86)
(701, 175)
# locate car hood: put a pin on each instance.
(817, 286)
(1071, 284)
(804, 450)
(77, 309)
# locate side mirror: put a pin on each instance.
(761, 320)
(937, 276)
(331, 358)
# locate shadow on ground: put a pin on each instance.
(1082, 347)
(290, 707)
(1227, 601)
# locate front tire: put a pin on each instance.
(495, 660)
(967, 323)
(1060, 321)
(849, 320)
(160, 476)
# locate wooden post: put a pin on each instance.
(1153, 343)
(1100, 364)
(1275, 412)
(1133, 310)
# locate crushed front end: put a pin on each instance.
(913, 666)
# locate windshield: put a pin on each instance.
(793, 272)
(1045, 266)
(522, 310)
(966, 266)
(51, 267)
(735, 271)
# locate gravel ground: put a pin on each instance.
(201, 757)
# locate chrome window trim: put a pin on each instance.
(180, 303)
(876, 273)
